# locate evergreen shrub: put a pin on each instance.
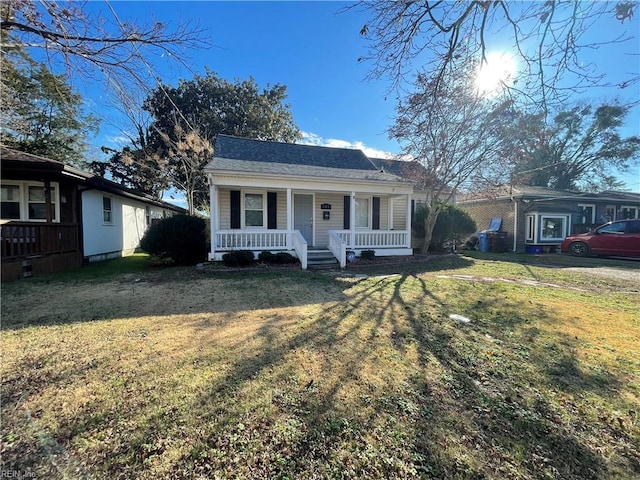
(180, 237)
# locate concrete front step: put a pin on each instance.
(321, 259)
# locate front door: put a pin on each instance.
(303, 216)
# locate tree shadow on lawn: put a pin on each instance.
(469, 420)
(379, 384)
(556, 260)
(181, 291)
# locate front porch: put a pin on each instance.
(258, 218)
(384, 243)
(32, 248)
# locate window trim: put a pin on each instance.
(628, 207)
(23, 195)
(530, 229)
(563, 234)
(20, 202)
(243, 218)
(369, 199)
(593, 213)
(111, 221)
(610, 209)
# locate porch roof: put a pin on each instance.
(226, 165)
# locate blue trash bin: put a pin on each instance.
(483, 240)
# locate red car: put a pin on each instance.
(620, 238)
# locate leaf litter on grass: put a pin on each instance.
(307, 376)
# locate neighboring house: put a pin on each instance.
(55, 216)
(415, 172)
(272, 196)
(538, 219)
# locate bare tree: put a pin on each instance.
(91, 44)
(188, 153)
(452, 131)
(549, 39)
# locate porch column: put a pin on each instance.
(289, 221)
(213, 221)
(352, 221)
(408, 223)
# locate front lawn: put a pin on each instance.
(174, 373)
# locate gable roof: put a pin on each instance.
(244, 155)
(238, 148)
(21, 161)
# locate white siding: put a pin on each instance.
(336, 216)
(120, 237)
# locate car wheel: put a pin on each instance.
(579, 249)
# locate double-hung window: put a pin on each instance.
(107, 211)
(11, 202)
(254, 210)
(586, 214)
(36, 201)
(628, 212)
(363, 212)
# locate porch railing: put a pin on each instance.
(250, 240)
(375, 238)
(24, 239)
(300, 246)
(338, 246)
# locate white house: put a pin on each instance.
(308, 200)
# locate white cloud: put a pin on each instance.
(118, 140)
(309, 138)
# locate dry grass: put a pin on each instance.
(176, 374)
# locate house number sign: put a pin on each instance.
(325, 206)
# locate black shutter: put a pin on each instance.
(347, 210)
(413, 212)
(375, 221)
(272, 210)
(235, 208)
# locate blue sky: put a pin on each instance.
(313, 49)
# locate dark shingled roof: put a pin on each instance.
(237, 148)
(544, 193)
(411, 170)
(16, 160)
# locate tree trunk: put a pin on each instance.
(429, 223)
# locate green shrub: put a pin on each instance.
(368, 254)
(284, 257)
(180, 237)
(238, 258)
(266, 257)
(453, 224)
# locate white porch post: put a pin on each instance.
(213, 212)
(408, 227)
(289, 221)
(352, 221)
